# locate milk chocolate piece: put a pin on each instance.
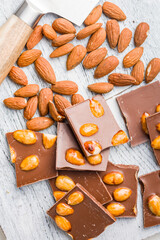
(134, 104)
(91, 181)
(47, 159)
(89, 218)
(65, 141)
(129, 181)
(152, 121)
(150, 185)
(81, 114)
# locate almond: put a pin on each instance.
(116, 209)
(28, 57)
(29, 163)
(156, 143)
(45, 96)
(96, 39)
(122, 194)
(15, 103)
(75, 198)
(27, 91)
(25, 136)
(63, 39)
(141, 33)
(18, 76)
(49, 140)
(88, 129)
(64, 183)
(154, 204)
(144, 123)
(95, 159)
(113, 11)
(152, 70)
(65, 87)
(124, 39)
(63, 50)
(77, 98)
(113, 31)
(76, 56)
(45, 70)
(113, 178)
(64, 209)
(106, 66)
(62, 223)
(61, 103)
(74, 157)
(49, 32)
(119, 138)
(101, 87)
(96, 108)
(93, 147)
(119, 79)
(94, 15)
(138, 72)
(54, 113)
(13, 154)
(94, 58)
(58, 195)
(132, 57)
(87, 31)
(35, 37)
(31, 107)
(39, 123)
(62, 26)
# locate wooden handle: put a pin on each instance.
(13, 37)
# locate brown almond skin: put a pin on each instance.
(132, 57)
(18, 76)
(63, 39)
(35, 37)
(119, 79)
(101, 87)
(45, 70)
(63, 26)
(76, 57)
(124, 39)
(94, 58)
(87, 31)
(49, 32)
(31, 107)
(61, 51)
(39, 123)
(141, 34)
(77, 98)
(16, 103)
(96, 40)
(28, 57)
(113, 32)
(106, 66)
(113, 11)
(45, 96)
(61, 103)
(94, 15)
(54, 113)
(138, 72)
(65, 87)
(152, 70)
(27, 91)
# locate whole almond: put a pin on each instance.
(77, 98)
(113, 11)
(76, 56)
(63, 50)
(54, 113)
(39, 123)
(94, 15)
(96, 40)
(113, 31)
(106, 66)
(65, 87)
(61, 103)
(45, 70)
(62, 25)
(94, 58)
(63, 39)
(27, 91)
(35, 37)
(124, 39)
(28, 57)
(49, 32)
(141, 33)
(18, 76)
(152, 70)
(45, 96)
(138, 72)
(87, 31)
(31, 107)
(119, 79)
(15, 103)
(132, 57)
(101, 87)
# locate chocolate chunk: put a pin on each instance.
(126, 178)
(87, 220)
(91, 181)
(134, 104)
(150, 186)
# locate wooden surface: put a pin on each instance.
(23, 211)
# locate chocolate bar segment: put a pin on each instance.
(86, 220)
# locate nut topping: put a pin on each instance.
(96, 108)
(158, 108)
(122, 194)
(13, 154)
(49, 140)
(158, 127)
(119, 138)
(25, 136)
(154, 204)
(73, 156)
(93, 147)
(113, 178)
(64, 209)
(116, 209)
(62, 223)
(64, 183)
(88, 129)
(95, 160)
(143, 121)
(156, 143)
(58, 195)
(29, 163)
(75, 198)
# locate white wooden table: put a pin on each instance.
(23, 211)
